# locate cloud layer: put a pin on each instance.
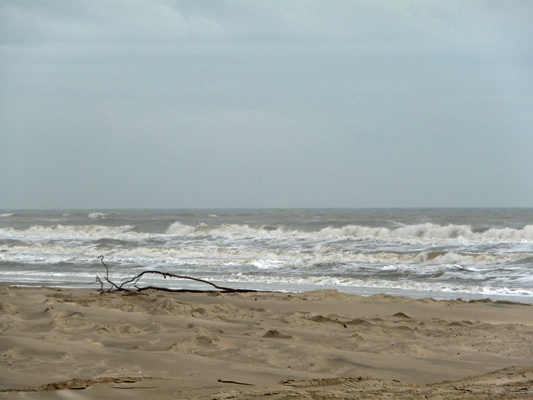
(265, 104)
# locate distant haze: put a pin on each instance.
(173, 104)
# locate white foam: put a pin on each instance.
(374, 283)
(425, 232)
(268, 264)
(509, 234)
(180, 229)
(27, 274)
(226, 230)
(298, 260)
(5, 215)
(418, 233)
(96, 215)
(69, 232)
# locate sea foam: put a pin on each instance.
(420, 232)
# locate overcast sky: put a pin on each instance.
(171, 104)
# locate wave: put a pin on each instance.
(70, 232)
(294, 282)
(420, 232)
(230, 231)
(324, 257)
(433, 231)
(5, 215)
(97, 215)
(287, 283)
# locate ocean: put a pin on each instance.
(437, 253)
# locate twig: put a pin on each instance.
(106, 278)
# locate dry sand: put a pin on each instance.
(79, 344)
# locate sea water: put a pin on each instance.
(436, 253)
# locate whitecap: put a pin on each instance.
(96, 215)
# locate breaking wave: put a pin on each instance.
(230, 231)
(96, 215)
(388, 250)
(69, 232)
(275, 258)
(419, 232)
(429, 233)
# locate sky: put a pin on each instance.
(244, 104)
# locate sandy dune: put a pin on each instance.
(80, 344)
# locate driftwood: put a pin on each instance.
(126, 285)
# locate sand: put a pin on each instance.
(80, 344)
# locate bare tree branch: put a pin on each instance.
(127, 284)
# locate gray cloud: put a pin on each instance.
(265, 104)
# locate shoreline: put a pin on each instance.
(194, 343)
(295, 289)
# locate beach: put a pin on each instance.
(83, 344)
